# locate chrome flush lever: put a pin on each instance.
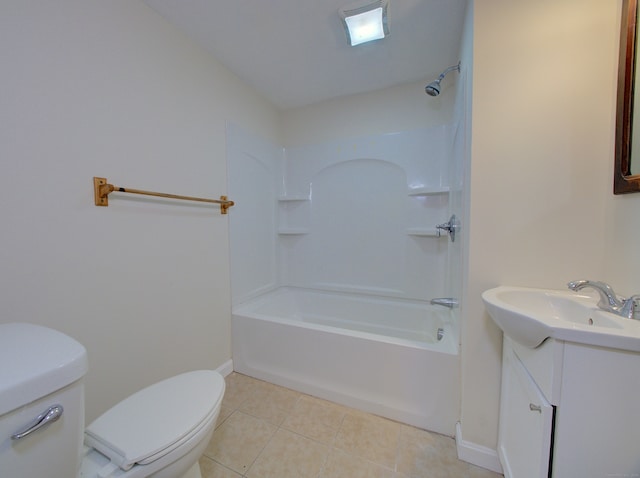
(45, 418)
(451, 227)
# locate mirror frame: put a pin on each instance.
(623, 181)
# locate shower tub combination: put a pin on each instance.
(392, 357)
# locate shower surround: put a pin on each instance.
(331, 245)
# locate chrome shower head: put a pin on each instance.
(433, 88)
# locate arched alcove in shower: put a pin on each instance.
(356, 236)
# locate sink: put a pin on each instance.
(529, 316)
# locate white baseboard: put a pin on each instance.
(476, 454)
(226, 368)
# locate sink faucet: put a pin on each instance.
(609, 301)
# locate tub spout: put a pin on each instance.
(446, 302)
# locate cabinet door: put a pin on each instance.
(526, 419)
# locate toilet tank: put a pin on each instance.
(41, 370)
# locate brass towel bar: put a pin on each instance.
(101, 191)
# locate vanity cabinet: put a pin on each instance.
(526, 422)
(569, 410)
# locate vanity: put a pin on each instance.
(570, 396)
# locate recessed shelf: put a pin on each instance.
(429, 191)
(292, 198)
(424, 232)
(293, 231)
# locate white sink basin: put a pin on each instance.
(529, 316)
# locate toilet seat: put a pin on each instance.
(157, 420)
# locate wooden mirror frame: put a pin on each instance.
(623, 181)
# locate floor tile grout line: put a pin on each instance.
(260, 452)
(278, 427)
(330, 446)
(223, 465)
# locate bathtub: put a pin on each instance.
(380, 355)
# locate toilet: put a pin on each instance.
(160, 431)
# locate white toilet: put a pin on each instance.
(160, 431)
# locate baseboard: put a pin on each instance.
(476, 454)
(226, 368)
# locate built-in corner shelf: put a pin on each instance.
(424, 232)
(291, 212)
(293, 231)
(429, 191)
(292, 198)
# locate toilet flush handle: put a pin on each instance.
(44, 419)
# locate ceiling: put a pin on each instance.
(295, 52)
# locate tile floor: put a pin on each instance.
(267, 431)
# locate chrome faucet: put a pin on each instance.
(451, 227)
(609, 301)
(449, 302)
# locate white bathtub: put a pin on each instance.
(380, 355)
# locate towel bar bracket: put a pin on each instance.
(100, 191)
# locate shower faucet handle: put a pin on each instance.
(451, 227)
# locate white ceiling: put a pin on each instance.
(295, 52)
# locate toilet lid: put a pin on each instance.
(156, 420)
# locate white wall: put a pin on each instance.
(95, 88)
(400, 108)
(541, 167)
(621, 252)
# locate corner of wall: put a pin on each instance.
(475, 454)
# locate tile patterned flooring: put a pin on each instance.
(267, 431)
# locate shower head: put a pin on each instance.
(433, 88)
